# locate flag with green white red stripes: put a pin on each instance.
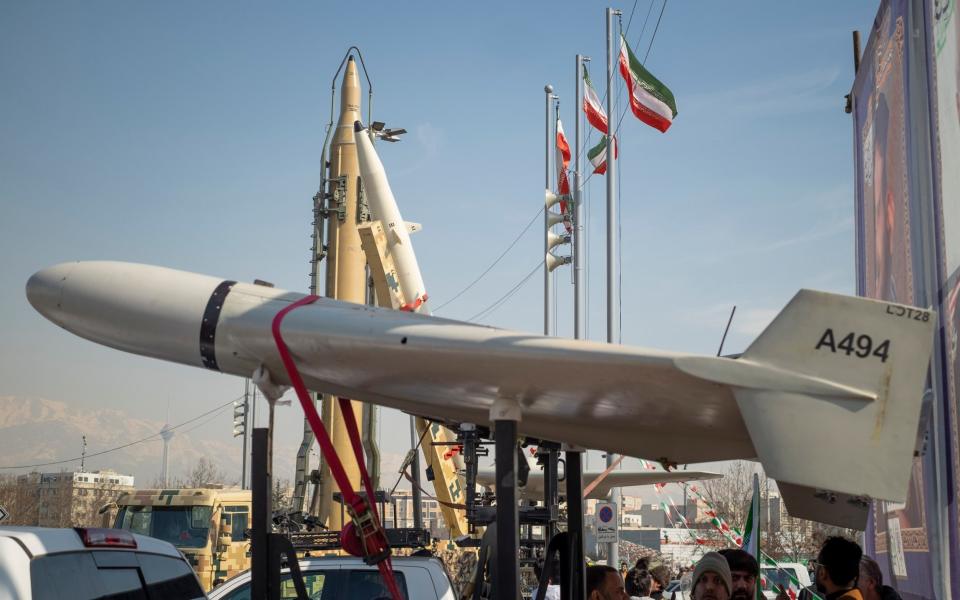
(650, 100)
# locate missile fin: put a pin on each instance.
(413, 227)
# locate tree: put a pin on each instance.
(204, 473)
(731, 493)
(281, 497)
(20, 499)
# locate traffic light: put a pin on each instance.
(239, 417)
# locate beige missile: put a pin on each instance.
(346, 272)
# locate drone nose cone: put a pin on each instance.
(45, 290)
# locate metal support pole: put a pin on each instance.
(574, 478)
(246, 434)
(579, 291)
(260, 524)
(415, 484)
(551, 492)
(507, 571)
(613, 267)
(613, 310)
(547, 288)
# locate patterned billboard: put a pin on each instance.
(897, 260)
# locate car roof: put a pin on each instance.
(317, 562)
(46, 540)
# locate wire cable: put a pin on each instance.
(205, 421)
(654, 36)
(494, 263)
(140, 441)
(499, 302)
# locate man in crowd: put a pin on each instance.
(605, 583)
(837, 568)
(744, 572)
(659, 574)
(711, 578)
(870, 582)
(638, 584)
(553, 589)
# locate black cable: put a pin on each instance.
(654, 36)
(205, 421)
(494, 263)
(140, 441)
(507, 296)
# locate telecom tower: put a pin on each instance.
(166, 433)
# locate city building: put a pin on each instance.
(651, 515)
(432, 517)
(69, 499)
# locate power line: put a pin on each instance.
(207, 420)
(494, 263)
(489, 310)
(654, 36)
(140, 441)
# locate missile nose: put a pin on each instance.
(45, 289)
(358, 126)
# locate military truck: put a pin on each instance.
(206, 524)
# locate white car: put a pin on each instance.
(40, 563)
(334, 577)
(783, 575)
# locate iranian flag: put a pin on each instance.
(651, 101)
(751, 531)
(592, 106)
(563, 161)
(598, 158)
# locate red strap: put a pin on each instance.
(371, 533)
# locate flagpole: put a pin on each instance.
(579, 304)
(547, 288)
(613, 295)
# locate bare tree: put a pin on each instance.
(731, 493)
(204, 473)
(21, 500)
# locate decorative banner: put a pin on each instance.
(944, 22)
(897, 256)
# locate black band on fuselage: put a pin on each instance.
(208, 327)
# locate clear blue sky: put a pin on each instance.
(188, 135)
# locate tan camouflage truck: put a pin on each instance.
(206, 524)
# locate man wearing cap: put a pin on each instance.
(711, 578)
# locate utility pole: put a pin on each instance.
(246, 419)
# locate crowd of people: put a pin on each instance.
(840, 572)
